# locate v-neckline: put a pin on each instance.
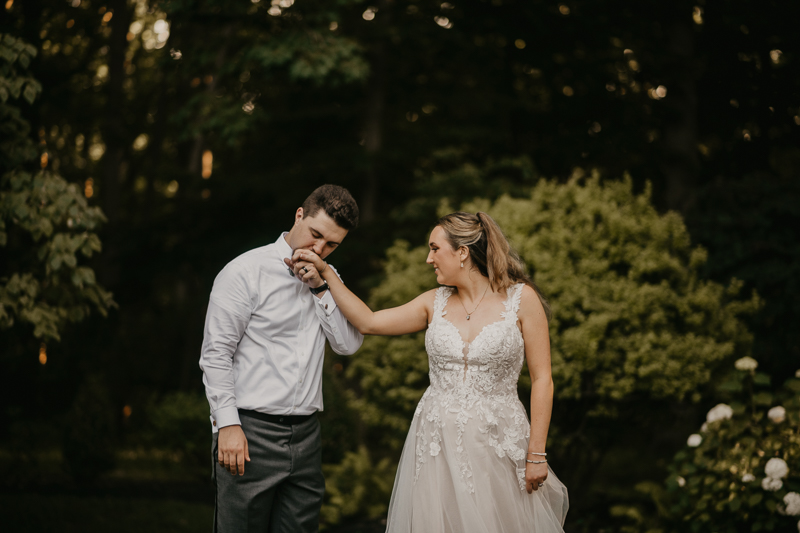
(506, 305)
(470, 343)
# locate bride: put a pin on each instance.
(471, 462)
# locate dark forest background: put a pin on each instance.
(198, 127)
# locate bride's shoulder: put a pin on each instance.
(430, 296)
(427, 298)
(530, 305)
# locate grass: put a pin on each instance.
(148, 490)
(61, 513)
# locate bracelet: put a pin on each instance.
(324, 269)
(536, 453)
(535, 462)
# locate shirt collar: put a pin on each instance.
(283, 246)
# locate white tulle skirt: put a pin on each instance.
(461, 484)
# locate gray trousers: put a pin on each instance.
(282, 486)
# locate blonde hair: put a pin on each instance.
(489, 249)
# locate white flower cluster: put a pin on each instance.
(748, 478)
(792, 502)
(694, 440)
(777, 414)
(720, 411)
(776, 469)
(746, 364)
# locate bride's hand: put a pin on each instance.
(307, 267)
(309, 257)
(535, 475)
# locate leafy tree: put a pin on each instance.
(45, 222)
(633, 322)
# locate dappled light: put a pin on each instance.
(642, 157)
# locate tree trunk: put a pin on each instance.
(373, 124)
(681, 165)
(114, 134)
(199, 142)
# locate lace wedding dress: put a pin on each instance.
(463, 464)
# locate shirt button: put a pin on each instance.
(301, 380)
(214, 423)
(326, 306)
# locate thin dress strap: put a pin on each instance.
(513, 300)
(440, 301)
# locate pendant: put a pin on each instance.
(467, 317)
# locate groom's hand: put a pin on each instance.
(232, 449)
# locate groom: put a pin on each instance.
(262, 356)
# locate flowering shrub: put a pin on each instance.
(741, 472)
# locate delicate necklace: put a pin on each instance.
(479, 302)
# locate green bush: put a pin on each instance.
(633, 322)
(357, 486)
(179, 422)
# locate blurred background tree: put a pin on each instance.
(45, 221)
(199, 126)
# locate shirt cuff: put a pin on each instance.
(327, 303)
(227, 416)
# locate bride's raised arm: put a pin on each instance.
(407, 318)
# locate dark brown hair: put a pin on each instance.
(489, 250)
(337, 203)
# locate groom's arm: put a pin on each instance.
(228, 314)
(344, 338)
(229, 310)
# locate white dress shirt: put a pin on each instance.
(265, 337)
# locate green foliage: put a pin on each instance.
(630, 312)
(632, 320)
(318, 56)
(717, 485)
(179, 422)
(746, 226)
(292, 50)
(45, 222)
(15, 57)
(393, 371)
(357, 486)
(90, 424)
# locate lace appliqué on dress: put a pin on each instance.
(476, 391)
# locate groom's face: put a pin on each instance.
(318, 233)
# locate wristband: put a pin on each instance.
(321, 288)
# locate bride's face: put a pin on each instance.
(445, 261)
